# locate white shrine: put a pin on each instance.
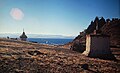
(98, 46)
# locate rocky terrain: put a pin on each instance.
(26, 57)
(107, 27)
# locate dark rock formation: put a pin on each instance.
(77, 46)
(34, 52)
(108, 27)
(84, 66)
(112, 28)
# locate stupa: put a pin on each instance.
(23, 37)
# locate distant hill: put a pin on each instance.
(108, 27)
(17, 35)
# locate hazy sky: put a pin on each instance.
(57, 17)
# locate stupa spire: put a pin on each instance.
(23, 36)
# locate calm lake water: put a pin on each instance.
(50, 41)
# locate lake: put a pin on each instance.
(50, 41)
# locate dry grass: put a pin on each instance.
(14, 57)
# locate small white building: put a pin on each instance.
(98, 46)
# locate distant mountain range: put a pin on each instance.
(17, 35)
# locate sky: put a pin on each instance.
(53, 17)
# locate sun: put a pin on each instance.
(17, 13)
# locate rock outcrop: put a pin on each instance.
(107, 27)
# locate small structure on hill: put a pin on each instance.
(98, 46)
(23, 37)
